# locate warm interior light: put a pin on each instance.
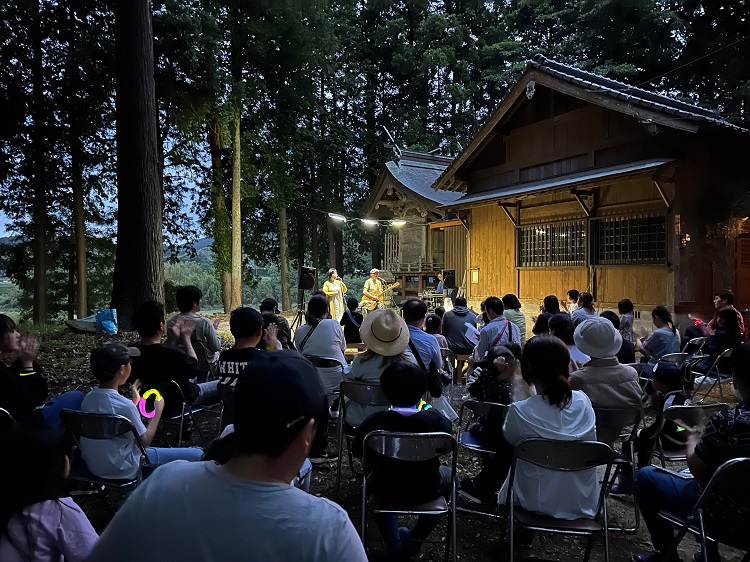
(336, 217)
(398, 223)
(369, 222)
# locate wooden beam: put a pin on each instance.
(660, 189)
(507, 212)
(582, 203)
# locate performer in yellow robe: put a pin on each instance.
(334, 289)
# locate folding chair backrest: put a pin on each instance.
(726, 501)
(98, 426)
(611, 421)
(364, 393)
(410, 447)
(226, 395)
(6, 420)
(489, 410)
(675, 358)
(566, 456)
(446, 353)
(697, 342)
(637, 366)
(695, 416)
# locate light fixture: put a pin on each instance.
(369, 222)
(398, 223)
(336, 217)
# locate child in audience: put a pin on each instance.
(404, 384)
(573, 295)
(625, 308)
(119, 458)
(433, 325)
(351, 321)
(38, 520)
(665, 339)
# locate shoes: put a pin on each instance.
(324, 458)
(470, 492)
(624, 484)
(409, 548)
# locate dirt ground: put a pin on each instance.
(65, 358)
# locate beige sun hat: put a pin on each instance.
(384, 332)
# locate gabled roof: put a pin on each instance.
(646, 106)
(414, 173)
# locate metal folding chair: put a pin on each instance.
(729, 491)
(565, 456)
(412, 447)
(694, 416)
(100, 426)
(700, 342)
(6, 420)
(226, 415)
(637, 366)
(713, 371)
(365, 394)
(186, 410)
(610, 423)
(677, 359)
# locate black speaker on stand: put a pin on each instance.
(449, 279)
(305, 282)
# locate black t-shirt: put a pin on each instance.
(158, 364)
(351, 328)
(20, 395)
(626, 353)
(233, 361)
(399, 480)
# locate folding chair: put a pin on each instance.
(700, 342)
(461, 361)
(694, 416)
(6, 420)
(412, 447)
(729, 491)
(727, 353)
(449, 362)
(637, 366)
(226, 415)
(100, 426)
(610, 423)
(565, 456)
(186, 410)
(677, 359)
(365, 394)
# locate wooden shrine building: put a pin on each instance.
(580, 182)
(415, 252)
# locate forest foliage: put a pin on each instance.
(313, 85)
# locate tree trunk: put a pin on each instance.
(286, 301)
(139, 261)
(315, 249)
(222, 233)
(331, 242)
(39, 207)
(236, 296)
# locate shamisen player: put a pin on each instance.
(373, 289)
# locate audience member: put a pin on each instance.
(269, 340)
(725, 437)
(252, 511)
(499, 330)
(440, 311)
(727, 335)
(119, 458)
(158, 363)
(38, 519)
(23, 387)
(627, 349)
(556, 412)
(246, 325)
(387, 338)
(625, 308)
(284, 334)
(404, 384)
(497, 378)
(351, 321)
(424, 346)
(665, 339)
(513, 313)
(455, 328)
(606, 382)
(541, 324)
(572, 300)
(561, 326)
(585, 308)
(723, 300)
(204, 339)
(433, 326)
(551, 304)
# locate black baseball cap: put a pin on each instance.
(278, 393)
(269, 304)
(669, 373)
(107, 359)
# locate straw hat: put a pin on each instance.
(384, 332)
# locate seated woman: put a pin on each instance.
(351, 321)
(551, 304)
(387, 337)
(513, 313)
(498, 379)
(726, 336)
(561, 326)
(585, 308)
(556, 412)
(39, 519)
(433, 324)
(541, 324)
(665, 339)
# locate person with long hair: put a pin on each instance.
(551, 304)
(334, 289)
(541, 324)
(665, 339)
(561, 326)
(38, 519)
(585, 308)
(513, 313)
(559, 413)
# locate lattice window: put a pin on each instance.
(629, 240)
(555, 244)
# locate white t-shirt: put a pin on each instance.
(200, 511)
(118, 457)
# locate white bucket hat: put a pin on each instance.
(384, 332)
(597, 337)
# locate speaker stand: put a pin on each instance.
(299, 318)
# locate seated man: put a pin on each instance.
(404, 384)
(120, 457)
(351, 321)
(606, 382)
(424, 347)
(204, 339)
(454, 327)
(725, 437)
(285, 333)
(499, 330)
(158, 363)
(245, 509)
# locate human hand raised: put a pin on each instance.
(158, 407)
(216, 323)
(28, 347)
(183, 329)
(135, 390)
(270, 336)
